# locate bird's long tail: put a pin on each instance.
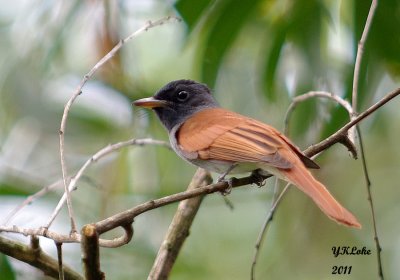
(304, 180)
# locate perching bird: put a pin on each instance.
(218, 140)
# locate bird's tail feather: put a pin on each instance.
(304, 180)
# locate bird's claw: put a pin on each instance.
(230, 183)
(259, 179)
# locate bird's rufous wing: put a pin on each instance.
(216, 133)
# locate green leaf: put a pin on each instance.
(300, 25)
(7, 188)
(6, 270)
(224, 25)
(191, 11)
(272, 59)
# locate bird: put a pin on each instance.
(222, 141)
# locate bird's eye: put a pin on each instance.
(182, 96)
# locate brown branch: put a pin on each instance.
(338, 135)
(34, 256)
(348, 139)
(128, 216)
(91, 253)
(178, 230)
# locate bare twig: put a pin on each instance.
(357, 67)
(128, 215)
(34, 256)
(336, 137)
(178, 230)
(264, 228)
(311, 94)
(101, 153)
(91, 253)
(62, 238)
(371, 204)
(78, 91)
(360, 52)
(344, 103)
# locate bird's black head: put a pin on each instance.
(178, 100)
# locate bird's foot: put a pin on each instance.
(258, 178)
(230, 183)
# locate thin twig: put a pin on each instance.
(371, 206)
(67, 238)
(78, 91)
(101, 153)
(360, 52)
(323, 94)
(128, 215)
(357, 67)
(311, 94)
(336, 137)
(261, 236)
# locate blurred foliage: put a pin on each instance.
(5, 268)
(256, 55)
(303, 26)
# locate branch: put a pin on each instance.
(338, 135)
(178, 230)
(128, 216)
(349, 138)
(34, 256)
(78, 91)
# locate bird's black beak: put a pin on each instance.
(150, 103)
